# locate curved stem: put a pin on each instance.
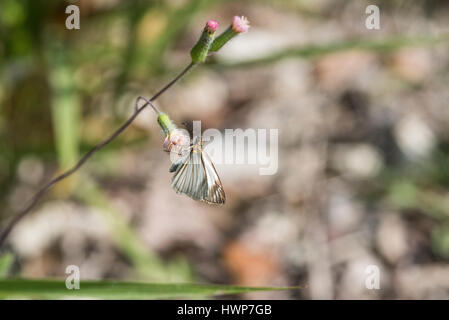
(32, 202)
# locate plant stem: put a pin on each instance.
(311, 51)
(179, 76)
(32, 202)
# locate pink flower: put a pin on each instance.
(211, 26)
(240, 24)
(176, 141)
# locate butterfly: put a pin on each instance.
(195, 176)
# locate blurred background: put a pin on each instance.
(363, 123)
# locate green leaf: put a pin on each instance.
(65, 108)
(6, 261)
(54, 289)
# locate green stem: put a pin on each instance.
(33, 201)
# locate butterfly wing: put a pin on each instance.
(177, 164)
(189, 176)
(196, 177)
(216, 192)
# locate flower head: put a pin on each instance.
(176, 141)
(240, 24)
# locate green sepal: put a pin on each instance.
(201, 49)
(166, 124)
(222, 39)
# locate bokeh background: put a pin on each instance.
(363, 123)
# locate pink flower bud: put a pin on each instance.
(211, 26)
(176, 141)
(240, 24)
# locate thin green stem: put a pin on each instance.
(33, 201)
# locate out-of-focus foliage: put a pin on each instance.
(363, 124)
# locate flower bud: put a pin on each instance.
(200, 50)
(239, 25)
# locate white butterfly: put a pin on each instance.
(196, 177)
